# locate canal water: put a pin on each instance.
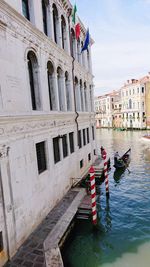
(122, 237)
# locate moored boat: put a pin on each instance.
(146, 137)
(123, 162)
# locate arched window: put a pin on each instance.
(51, 88)
(34, 81)
(25, 9)
(44, 13)
(55, 23)
(68, 93)
(81, 96)
(60, 88)
(64, 33)
(72, 37)
(85, 97)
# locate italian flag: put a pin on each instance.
(74, 14)
(77, 25)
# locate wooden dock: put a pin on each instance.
(85, 208)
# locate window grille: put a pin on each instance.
(65, 145)
(41, 156)
(71, 141)
(87, 131)
(79, 139)
(84, 138)
(56, 149)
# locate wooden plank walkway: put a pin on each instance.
(85, 208)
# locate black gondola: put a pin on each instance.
(123, 162)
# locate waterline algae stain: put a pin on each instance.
(123, 236)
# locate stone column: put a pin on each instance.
(50, 22)
(76, 50)
(55, 84)
(8, 201)
(67, 38)
(79, 98)
(63, 86)
(59, 32)
(83, 98)
(71, 92)
(90, 59)
(88, 99)
(80, 57)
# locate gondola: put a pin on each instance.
(123, 162)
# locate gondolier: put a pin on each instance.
(122, 162)
(116, 157)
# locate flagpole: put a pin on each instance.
(73, 80)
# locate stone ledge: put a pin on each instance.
(51, 244)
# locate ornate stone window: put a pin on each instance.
(44, 13)
(72, 43)
(63, 33)
(34, 80)
(55, 23)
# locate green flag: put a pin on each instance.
(74, 14)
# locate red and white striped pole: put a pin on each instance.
(93, 195)
(104, 156)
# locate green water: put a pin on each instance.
(123, 235)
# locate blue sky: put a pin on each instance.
(121, 31)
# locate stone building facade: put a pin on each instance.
(127, 108)
(104, 109)
(134, 104)
(47, 131)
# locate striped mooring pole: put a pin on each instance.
(104, 156)
(93, 195)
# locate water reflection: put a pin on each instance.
(118, 174)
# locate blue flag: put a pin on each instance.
(86, 42)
